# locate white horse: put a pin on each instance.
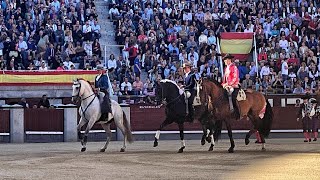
(90, 113)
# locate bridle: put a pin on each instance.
(164, 100)
(78, 96)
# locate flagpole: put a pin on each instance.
(255, 53)
(220, 58)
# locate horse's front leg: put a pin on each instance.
(86, 133)
(157, 136)
(183, 144)
(248, 135)
(211, 136)
(79, 126)
(204, 129)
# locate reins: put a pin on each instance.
(82, 99)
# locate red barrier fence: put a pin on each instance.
(149, 118)
(143, 118)
(4, 121)
(44, 120)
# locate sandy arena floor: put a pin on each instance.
(284, 159)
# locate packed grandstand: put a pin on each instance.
(159, 36)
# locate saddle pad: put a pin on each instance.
(241, 95)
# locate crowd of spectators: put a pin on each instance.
(49, 34)
(159, 36)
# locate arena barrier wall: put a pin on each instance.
(57, 125)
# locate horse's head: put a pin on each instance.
(77, 91)
(166, 90)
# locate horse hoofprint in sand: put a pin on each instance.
(90, 113)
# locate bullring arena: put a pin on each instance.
(284, 159)
(44, 144)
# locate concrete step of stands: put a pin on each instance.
(107, 30)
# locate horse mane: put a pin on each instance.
(218, 85)
(82, 79)
(170, 81)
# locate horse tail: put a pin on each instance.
(267, 119)
(217, 130)
(127, 128)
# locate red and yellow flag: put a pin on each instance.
(238, 44)
(25, 78)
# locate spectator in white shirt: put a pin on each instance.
(265, 70)
(203, 39)
(126, 83)
(113, 12)
(284, 69)
(43, 66)
(86, 29)
(67, 64)
(283, 43)
(112, 62)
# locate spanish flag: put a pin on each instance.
(238, 44)
(40, 78)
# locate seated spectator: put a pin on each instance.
(96, 49)
(44, 102)
(126, 91)
(247, 82)
(67, 64)
(88, 48)
(31, 67)
(298, 89)
(137, 86)
(61, 67)
(112, 63)
(43, 66)
(126, 83)
(23, 103)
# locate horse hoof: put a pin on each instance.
(181, 149)
(155, 144)
(209, 139)
(230, 150)
(263, 149)
(247, 141)
(122, 150)
(83, 149)
(203, 142)
(102, 150)
(211, 147)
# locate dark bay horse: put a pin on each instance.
(169, 94)
(256, 107)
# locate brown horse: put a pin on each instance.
(255, 107)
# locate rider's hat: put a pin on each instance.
(186, 64)
(100, 68)
(228, 56)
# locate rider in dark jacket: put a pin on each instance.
(102, 84)
(189, 82)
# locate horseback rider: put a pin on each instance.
(231, 83)
(102, 85)
(189, 86)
